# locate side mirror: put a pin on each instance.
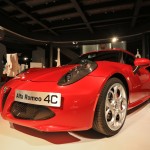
(140, 62)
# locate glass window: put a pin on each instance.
(148, 68)
(113, 56)
(128, 59)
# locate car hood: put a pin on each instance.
(45, 74)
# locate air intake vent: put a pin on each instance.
(30, 112)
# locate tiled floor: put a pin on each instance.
(135, 135)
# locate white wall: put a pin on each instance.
(96, 47)
(121, 44)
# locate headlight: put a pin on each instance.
(78, 72)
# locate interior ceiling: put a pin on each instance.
(75, 19)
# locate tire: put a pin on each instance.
(111, 109)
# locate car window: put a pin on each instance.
(128, 59)
(148, 68)
(113, 56)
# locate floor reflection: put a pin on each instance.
(53, 137)
(69, 137)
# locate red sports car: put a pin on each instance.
(93, 91)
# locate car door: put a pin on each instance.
(140, 81)
(147, 84)
(144, 76)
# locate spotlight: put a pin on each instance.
(74, 42)
(25, 58)
(114, 39)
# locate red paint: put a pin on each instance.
(142, 62)
(78, 99)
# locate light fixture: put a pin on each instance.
(25, 58)
(114, 39)
(74, 42)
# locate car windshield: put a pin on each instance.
(111, 55)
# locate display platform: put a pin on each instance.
(135, 135)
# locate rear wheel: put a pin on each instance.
(111, 108)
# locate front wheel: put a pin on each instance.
(111, 108)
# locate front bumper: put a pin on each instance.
(77, 106)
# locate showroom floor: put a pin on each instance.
(135, 135)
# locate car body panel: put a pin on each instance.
(73, 104)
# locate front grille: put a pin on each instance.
(30, 112)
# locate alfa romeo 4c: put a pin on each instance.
(93, 91)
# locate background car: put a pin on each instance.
(93, 91)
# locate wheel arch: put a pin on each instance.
(119, 76)
(123, 79)
(115, 75)
(98, 123)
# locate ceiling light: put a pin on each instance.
(74, 42)
(114, 39)
(25, 58)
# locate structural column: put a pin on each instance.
(38, 55)
(49, 56)
(146, 45)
